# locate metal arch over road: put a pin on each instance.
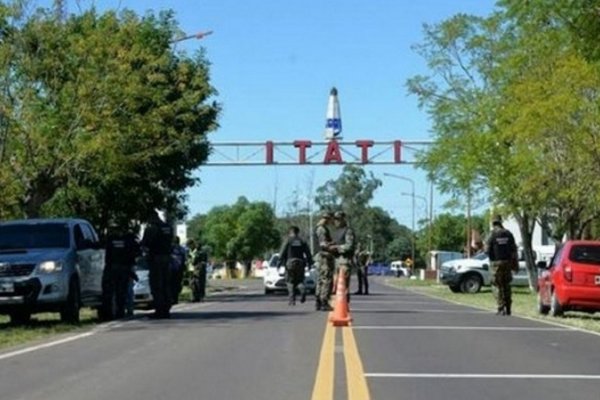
(307, 152)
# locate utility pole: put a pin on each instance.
(413, 211)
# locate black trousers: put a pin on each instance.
(160, 283)
(362, 274)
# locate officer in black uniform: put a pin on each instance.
(122, 248)
(295, 255)
(157, 241)
(502, 250)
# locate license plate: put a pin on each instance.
(7, 287)
(597, 279)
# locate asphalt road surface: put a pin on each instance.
(245, 345)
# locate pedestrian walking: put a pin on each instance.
(178, 263)
(363, 259)
(197, 266)
(502, 251)
(344, 248)
(122, 248)
(295, 256)
(157, 241)
(325, 260)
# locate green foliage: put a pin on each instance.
(449, 232)
(240, 232)
(100, 117)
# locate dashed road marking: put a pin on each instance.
(483, 376)
(462, 328)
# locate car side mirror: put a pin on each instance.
(542, 265)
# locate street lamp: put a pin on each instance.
(413, 209)
(427, 214)
(199, 35)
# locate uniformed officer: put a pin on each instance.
(295, 255)
(502, 250)
(197, 263)
(122, 248)
(157, 241)
(325, 262)
(344, 248)
(178, 262)
(363, 258)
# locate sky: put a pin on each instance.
(273, 64)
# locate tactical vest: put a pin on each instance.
(295, 249)
(121, 250)
(340, 240)
(502, 246)
(316, 241)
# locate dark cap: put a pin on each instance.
(497, 219)
(339, 215)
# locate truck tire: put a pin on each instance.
(21, 317)
(471, 283)
(556, 309)
(455, 288)
(70, 310)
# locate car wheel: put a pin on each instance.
(541, 307)
(268, 291)
(556, 310)
(455, 288)
(70, 310)
(21, 317)
(471, 284)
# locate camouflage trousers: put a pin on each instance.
(324, 287)
(501, 276)
(295, 277)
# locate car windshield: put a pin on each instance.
(34, 236)
(274, 261)
(480, 256)
(585, 254)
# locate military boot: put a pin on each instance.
(501, 311)
(326, 307)
(318, 305)
(303, 297)
(507, 309)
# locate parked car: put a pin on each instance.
(274, 278)
(398, 269)
(142, 295)
(571, 281)
(380, 269)
(468, 275)
(49, 265)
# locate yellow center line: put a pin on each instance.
(355, 374)
(323, 389)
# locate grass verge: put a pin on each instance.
(524, 302)
(48, 324)
(40, 327)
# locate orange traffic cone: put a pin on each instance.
(341, 315)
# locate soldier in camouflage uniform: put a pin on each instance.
(295, 255)
(325, 262)
(502, 250)
(363, 258)
(344, 248)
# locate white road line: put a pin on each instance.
(539, 320)
(484, 376)
(398, 302)
(46, 345)
(416, 311)
(98, 329)
(462, 328)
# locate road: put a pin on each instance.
(243, 345)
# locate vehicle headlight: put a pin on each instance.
(49, 267)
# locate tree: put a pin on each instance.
(99, 116)
(241, 232)
(448, 232)
(351, 192)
